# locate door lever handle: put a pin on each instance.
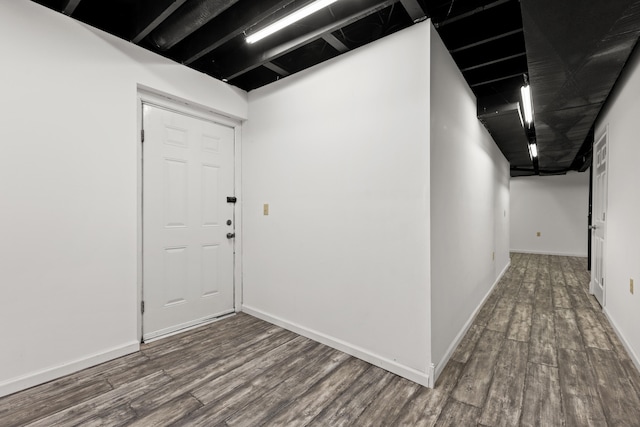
(593, 227)
(231, 235)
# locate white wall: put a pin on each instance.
(469, 206)
(555, 206)
(340, 153)
(622, 251)
(68, 186)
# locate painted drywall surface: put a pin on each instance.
(622, 251)
(469, 204)
(555, 206)
(340, 154)
(68, 184)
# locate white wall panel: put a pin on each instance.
(340, 154)
(557, 207)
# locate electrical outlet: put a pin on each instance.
(631, 286)
(265, 209)
(538, 234)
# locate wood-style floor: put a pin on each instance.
(540, 352)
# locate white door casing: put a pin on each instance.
(188, 260)
(599, 218)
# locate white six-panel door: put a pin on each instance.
(188, 172)
(599, 218)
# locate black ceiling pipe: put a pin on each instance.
(187, 19)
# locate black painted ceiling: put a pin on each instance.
(572, 51)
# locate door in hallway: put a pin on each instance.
(599, 218)
(188, 226)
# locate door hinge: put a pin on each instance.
(142, 307)
(142, 135)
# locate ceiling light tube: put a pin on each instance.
(533, 148)
(526, 103)
(288, 20)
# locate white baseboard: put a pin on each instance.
(422, 378)
(40, 377)
(456, 341)
(526, 251)
(632, 354)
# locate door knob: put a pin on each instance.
(231, 235)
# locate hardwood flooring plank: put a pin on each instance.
(467, 344)
(169, 412)
(121, 415)
(511, 289)
(542, 348)
(176, 363)
(501, 317)
(567, 332)
(56, 388)
(18, 415)
(578, 297)
(620, 402)
(386, 407)
(581, 403)
(560, 297)
(271, 402)
(212, 389)
(308, 405)
(346, 408)
(520, 327)
(486, 311)
(584, 411)
(543, 300)
(250, 394)
(542, 399)
(77, 414)
(235, 325)
(424, 408)
(476, 377)
(504, 400)
(592, 331)
(527, 293)
(457, 414)
(218, 371)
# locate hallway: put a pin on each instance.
(540, 352)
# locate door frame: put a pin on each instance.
(603, 136)
(159, 99)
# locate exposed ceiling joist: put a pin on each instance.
(486, 82)
(471, 13)
(214, 36)
(241, 64)
(414, 10)
(192, 17)
(487, 40)
(70, 7)
(335, 43)
(276, 69)
(495, 61)
(154, 13)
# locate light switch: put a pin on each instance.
(265, 209)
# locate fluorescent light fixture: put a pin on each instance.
(533, 148)
(526, 104)
(288, 20)
(520, 114)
